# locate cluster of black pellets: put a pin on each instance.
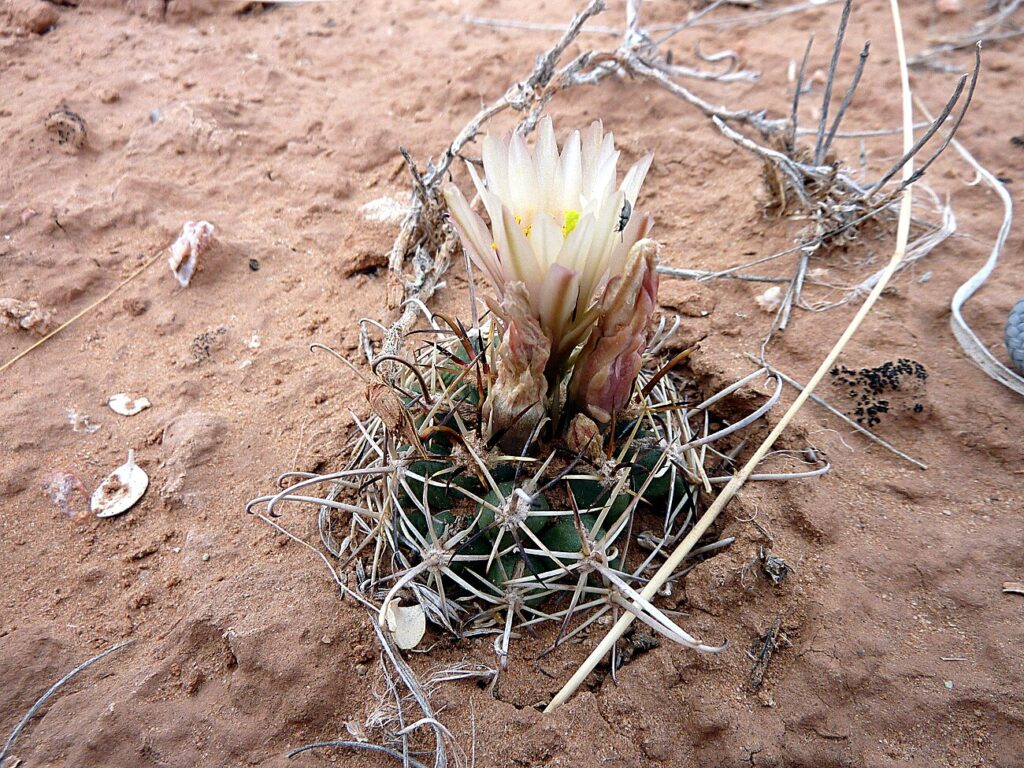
(871, 388)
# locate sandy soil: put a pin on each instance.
(277, 126)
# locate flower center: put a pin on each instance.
(571, 220)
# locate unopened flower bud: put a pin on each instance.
(602, 379)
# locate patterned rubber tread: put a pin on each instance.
(1015, 335)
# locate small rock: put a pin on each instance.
(33, 16)
(365, 249)
(24, 315)
(188, 441)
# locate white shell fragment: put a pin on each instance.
(126, 405)
(193, 240)
(407, 625)
(122, 488)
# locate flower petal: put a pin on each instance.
(638, 228)
(515, 401)
(634, 178)
(546, 239)
(591, 145)
(518, 256)
(523, 194)
(576, 247)
(476, 238)
(495, 157)
(606, 235)
(491, 201)
(545, 163)
(571, 180)
(558, 297)
(603, 376)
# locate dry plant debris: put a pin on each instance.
(126, 405)
(807, 182)
(68, 127)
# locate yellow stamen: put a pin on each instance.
(571, 220)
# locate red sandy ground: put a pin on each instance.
(277, 127)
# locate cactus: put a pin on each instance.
(490, 542)
(506, 472)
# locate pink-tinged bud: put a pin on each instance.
(583, 436)
(516, 401)
(602, 379)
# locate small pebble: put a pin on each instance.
(254, 265)
(206, 558)
(34, 16)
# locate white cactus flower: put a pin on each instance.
(559, 223)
